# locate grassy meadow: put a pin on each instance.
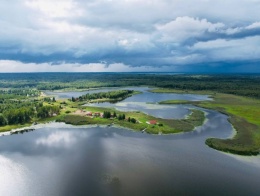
(243, 114)
(163, 126)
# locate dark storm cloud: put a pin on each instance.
(158, 33)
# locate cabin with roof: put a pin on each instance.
(89, 113)
(96, 114)
(152, 122)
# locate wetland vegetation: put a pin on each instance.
(243, 114)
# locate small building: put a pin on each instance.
(89, 113)
(152, 122)
(97, 114)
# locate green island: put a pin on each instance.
(243, 114)
(112, 96)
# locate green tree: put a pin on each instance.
(106, 114)
(133, 120)
(2, 120)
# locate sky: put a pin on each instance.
(130, 36)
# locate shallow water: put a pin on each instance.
(59, 159)
(147, 97)
(146, 102)
(142, 102)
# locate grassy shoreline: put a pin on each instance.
(243, 114)
(177, 102)
(166, 90)
(68, 114)
(164, 126)
(8, 128)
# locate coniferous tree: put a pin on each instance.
(2, 120)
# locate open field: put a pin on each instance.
(243, 114)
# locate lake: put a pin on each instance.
(60, 159)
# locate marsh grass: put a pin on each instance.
(243, 114)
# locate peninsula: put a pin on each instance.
(243, 114)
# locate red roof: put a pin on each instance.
(89, 113)
(152, 122)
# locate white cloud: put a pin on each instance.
(254, 25)
(186, 27)
(55, 9)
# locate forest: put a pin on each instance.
(112, 95)
(22, 106)
(237, 84)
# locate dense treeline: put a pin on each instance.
(20, 111)
(107, 114)
(238, 85)
(119, 94)
(245, 85)
(18, 93)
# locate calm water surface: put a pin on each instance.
(59, 159)
(145, 102)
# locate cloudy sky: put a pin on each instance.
(130, 35)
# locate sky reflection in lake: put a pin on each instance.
(59, 159)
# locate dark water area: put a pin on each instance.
(59, 159)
